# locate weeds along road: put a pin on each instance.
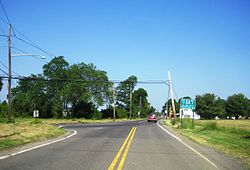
(126, 145)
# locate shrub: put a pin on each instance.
(96, 115)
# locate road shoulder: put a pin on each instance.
(35, 145)
(221, 160)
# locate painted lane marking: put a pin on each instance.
(126, 151)
(38, 146)
(112, 165)
(186, 145)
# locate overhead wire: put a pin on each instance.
(8, 68)
(3, 64)
(4, 20)
(22, 51)
(5, 12)
(80, 80)
(4, 71)
(28, 42)
(6, 15)
(35, 46)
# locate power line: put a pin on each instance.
(4, 20)
(4, 71)
(8, 68)
(79, 80)
(5, 13)
(35, 46)
(22, 51)
(3, 64)
(29, 42)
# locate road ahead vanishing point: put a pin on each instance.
(127, 145)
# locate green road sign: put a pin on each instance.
(188, 104)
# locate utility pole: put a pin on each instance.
(140, 106)
(9, 76)
(130, 101)
(167, 112)
(172, 96)
(114, 102)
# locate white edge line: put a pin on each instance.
(38, 146)
(186, 145)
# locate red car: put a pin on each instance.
(152, 117)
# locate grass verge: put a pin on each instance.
(231, 137)
(24, 131)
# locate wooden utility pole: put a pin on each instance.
(167, 112)
(9, 76)
(140, 106)
(130, 101)
(172, 96)
(114, 102)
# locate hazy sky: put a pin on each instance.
(204, 43)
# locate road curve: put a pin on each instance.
(96, 145)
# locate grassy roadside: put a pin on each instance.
(28, 130)
(25, 131)
(231, 137)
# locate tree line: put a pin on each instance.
(209, 106)
(76, 91)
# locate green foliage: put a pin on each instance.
(169, 106)
(210, 126)
(30, 95)
(96, 115)
(83, 109)
(122, 113)
(66, 88)
(140, 103)
(107, 113)
(236, 105)
(123, 91)
(35, 121)
(223, 136)
(3, 111)
(186, 123)
(209, 106)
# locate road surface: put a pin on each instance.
(127, 145)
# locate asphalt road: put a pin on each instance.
(97, 147)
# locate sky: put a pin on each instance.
(205, 44)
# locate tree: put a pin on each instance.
(237, 105)
(3, 110)
(248, 109)
(220, 107)
(140, 103)
(123, 91)
(30, 94)
(209, 106)
(63, 87)
(169, 104)
(56, 72)
(86, 85)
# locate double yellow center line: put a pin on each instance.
(127, 142)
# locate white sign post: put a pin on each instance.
(36, 113)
